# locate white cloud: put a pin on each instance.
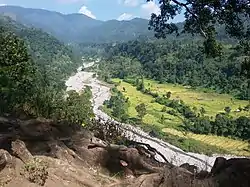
(149, 8)
(71, 1)
(130, 3)
(125, 16)
(84, 10)
(3, 4)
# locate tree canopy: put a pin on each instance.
(202, 17)
(34, 66)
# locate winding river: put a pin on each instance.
(101, 92)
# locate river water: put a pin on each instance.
(101, 92)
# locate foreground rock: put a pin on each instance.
(41, 152)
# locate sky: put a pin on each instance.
(96, 9)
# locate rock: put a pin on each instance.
(219, 164)
(232, 172)
(189, 167)
(6, 160)
(7, 167)
(19, 149)
(202, 175)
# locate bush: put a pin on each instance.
(115, 90)
(164, 109)
(188, 145)
(35, 171)
(172, 112)
(130, 81)
(109, 131)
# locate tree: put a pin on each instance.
(162, 119)
(227, 109)
(182, 61)
(141, 85)
(168, 95)
(33, 67)
(164, 109)
(201, 17)
(78, 107)
(202, 111)
(141, 110)
(17, 72)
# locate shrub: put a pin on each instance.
(35, 171)
(164, 109)
(172, 112)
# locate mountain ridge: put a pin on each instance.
(77, 27)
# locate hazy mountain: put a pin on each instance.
(77, 27)
(43, 47)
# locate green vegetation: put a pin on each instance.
(178, 62)
(34, 66)
(164, 78)
(117, 105)
(141, 110)
(186, 144)
(160, 117)
(154, 110)
(205, 100)
(78, 28)
(236, 147)
(201, 64)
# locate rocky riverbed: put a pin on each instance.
(101, 92)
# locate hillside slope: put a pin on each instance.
(40, 152)
(77, 27)
(46, 50)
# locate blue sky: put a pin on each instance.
(97, 9)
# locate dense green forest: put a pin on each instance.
(178, 61)
(34, 66)
(184, 62)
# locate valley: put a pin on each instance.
(102, 92)
(172, 122)
(125, 101)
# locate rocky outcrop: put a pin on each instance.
(40, 152)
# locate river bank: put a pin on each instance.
(101, 92)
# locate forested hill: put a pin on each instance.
(34, 66)
(45, 49)
(178, 61)
(78, 27)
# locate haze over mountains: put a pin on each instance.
(78, 27)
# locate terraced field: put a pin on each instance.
(212, 102)
(235, 147)
(154, 112)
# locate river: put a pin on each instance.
(101, 92)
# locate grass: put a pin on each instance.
(186, 144)
(212, 102)
(236, 147)
(154, 112)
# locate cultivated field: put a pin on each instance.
(212, 102)
(236, 147)
(153, 109)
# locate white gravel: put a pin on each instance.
(101, 93)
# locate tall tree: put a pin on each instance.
(201, 17)
(141, 110)
(17, 72)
